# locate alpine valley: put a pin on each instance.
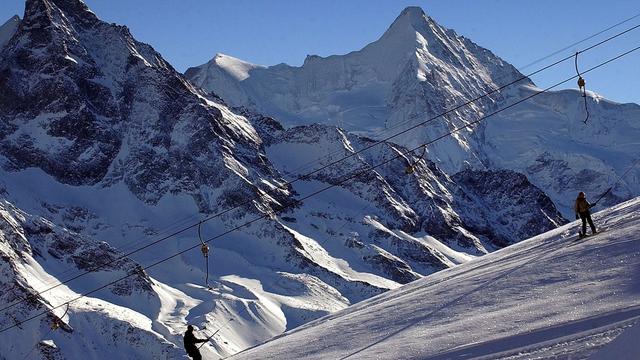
(105, 148)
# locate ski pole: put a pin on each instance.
(601, 196)
(633, 165)
(217, 331)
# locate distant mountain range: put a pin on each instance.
(418, 70)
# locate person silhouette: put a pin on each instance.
(582, 209)
(190, 342)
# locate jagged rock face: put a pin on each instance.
(35, 252)
(66, 253)
(474, 210)
(87, 103)
(504, 206)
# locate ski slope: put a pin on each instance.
(552, 296)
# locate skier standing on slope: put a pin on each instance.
(581, 208)
(190, 342)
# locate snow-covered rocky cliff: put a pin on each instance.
(553, 296)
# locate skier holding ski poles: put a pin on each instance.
(582, 209)
(190, 342)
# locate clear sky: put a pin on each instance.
(267, 32)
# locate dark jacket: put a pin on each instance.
(190, 342)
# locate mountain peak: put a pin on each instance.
(404, 30)
(411, 18)
(77, 9)
(413, 13)
(238, 69)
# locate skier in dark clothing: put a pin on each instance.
(190, 342)
(581, 208)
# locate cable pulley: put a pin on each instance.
(412, 167)
(57, 322)
(582, 88)
(204, 248)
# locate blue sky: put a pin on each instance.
(190, 32)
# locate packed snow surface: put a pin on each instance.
(552, 296)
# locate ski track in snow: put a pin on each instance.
(550, 297)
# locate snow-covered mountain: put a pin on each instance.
(417, 70)
(550, 297)
(104, 148)
(35, 254)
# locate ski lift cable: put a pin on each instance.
(328, 156)
(334, 184)
(301, 177)
(55, 325)
(620, 178)
(579, 41)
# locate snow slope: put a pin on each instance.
(625, 346)
(552, 296)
